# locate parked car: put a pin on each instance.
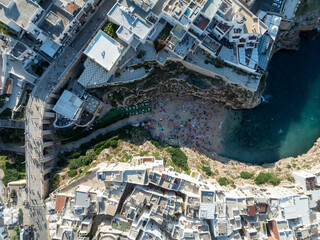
(275, 5)
(278, 1)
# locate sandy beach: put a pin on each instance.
(187, 121)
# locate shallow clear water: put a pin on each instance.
(287, 123)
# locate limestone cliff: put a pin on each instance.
(289, 34)
(177, 79)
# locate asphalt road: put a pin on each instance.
(35, 113)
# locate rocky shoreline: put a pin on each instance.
(290, 31)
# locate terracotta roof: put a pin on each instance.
(7, 87)
(60, 202)
(251, 210)
(71, 7)
(147, 159)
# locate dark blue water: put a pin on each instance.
(288, 123)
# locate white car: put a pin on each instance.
(276, 5)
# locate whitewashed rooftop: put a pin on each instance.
(104, 50)
(68, 105)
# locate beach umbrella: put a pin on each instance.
(160, 119)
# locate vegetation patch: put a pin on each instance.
(6, 114)
(207, 170)
(307, 6)
(163, 35)
(3, 29)
(13, 168)
(111, 29)
(263, 178)
(223, 181)
(12, 135)
(246, 175)
(179, 158)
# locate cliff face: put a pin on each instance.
(288, 37)
(177, 79)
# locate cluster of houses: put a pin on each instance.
(52, 26)
(145, 200)
(32, 36)
(223, 29)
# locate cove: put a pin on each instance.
(287, 123)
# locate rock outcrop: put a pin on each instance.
(177, 79)
(289, 34)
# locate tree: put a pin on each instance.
(111, 29)
(141, 54)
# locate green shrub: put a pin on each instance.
(55, 180)
(274, 180)
(3, 29)
(76, 155)
(223, 181)
(112, 142)
(290, 179)
(111, 30)
(155, 143)
(263, 178)
(179, 158)
(72, 172)
(144, 153)
(141, 54)
(207, 170)
(246, 175)
(14, 237)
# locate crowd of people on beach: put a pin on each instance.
(194, 123)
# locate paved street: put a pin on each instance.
(35, 113)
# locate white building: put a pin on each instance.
(103, 54)
(68, 105)
(132, 30)
(305, 180)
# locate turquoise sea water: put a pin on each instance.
(287, 123)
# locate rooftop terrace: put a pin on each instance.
(18, 11)
(55, 22)
(124, 16)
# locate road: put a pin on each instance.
(122, 123)
(35, 114)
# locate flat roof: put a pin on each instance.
(60, 202)
(68, 105)
(55, 22)
(211, 7)
(123, 17)
(146, 5)
(104, 50)
(18, 11)
(304, 174)
(50, 47)
(83, 188)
